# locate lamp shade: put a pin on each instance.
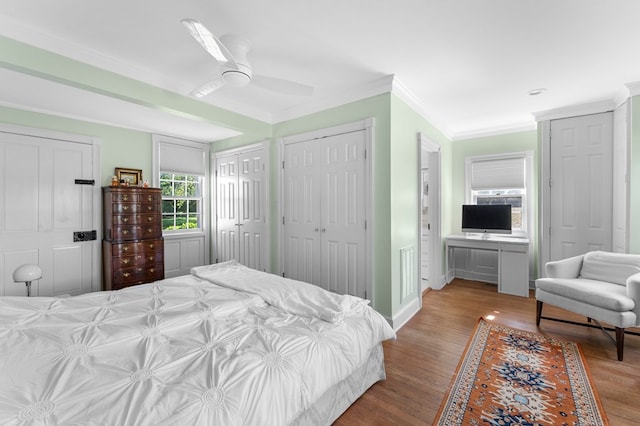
(26, 273)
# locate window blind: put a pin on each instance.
(182, 159)
(504, 173)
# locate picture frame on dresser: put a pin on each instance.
(133, 176)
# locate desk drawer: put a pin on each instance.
(514, 248)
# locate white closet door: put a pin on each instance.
(324, 234)
(343, 236)
(251, 210)
(581, 185)
(227, 216)
(41, 208)
(301, 211)
(241, 202)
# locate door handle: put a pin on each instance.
(324, 230)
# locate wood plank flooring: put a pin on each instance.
(423, 359)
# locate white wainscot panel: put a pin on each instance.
(183, 253)
(67, 276)
(171, 258)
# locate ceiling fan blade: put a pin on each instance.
(208, 41)
(286, 87)
(208, 88)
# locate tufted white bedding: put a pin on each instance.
(183, 351)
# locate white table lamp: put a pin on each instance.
(27, 273)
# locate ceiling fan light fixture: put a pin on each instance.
(236, 78)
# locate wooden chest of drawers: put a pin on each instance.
(132, 247)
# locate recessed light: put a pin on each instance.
(535, 92)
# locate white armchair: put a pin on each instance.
(600, 285)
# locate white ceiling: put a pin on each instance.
(469, 64)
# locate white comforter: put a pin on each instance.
(180, 351)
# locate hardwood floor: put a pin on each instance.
(423, 359)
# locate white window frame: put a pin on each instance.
(158, 140)
(529, 196)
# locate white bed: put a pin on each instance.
(204, 348)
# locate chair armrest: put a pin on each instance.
(633, 291)
(565, 268)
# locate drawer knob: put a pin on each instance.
(126, 261)
(151, 246)
(125, 207)
(125, 248)
(150, 218)
(152, 270)
(149, 197)
(125, 231)
(151, 258)
(126, 274)
(125, 197)
(149, 208)
(125, 219)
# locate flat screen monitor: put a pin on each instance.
(490, 219)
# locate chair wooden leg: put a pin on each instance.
(620, 342)
(538, 311)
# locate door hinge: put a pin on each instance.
(283, 220)
(365, 154)
(216, 173)
(283, 275)
(85, 182)
(365, 225)
(283, 164)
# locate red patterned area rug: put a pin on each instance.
(513, 377)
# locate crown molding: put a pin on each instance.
(575, 110)
(367, 90)
(633, 88)
(495, 131)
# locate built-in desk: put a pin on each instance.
(513, 259)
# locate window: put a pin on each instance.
(181, 170)
(502, 179)
(181, 201)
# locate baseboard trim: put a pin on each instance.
(405, 314)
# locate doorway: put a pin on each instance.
(429, 214)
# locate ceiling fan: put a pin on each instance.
(231, 52)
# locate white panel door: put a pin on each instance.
(581, 185)
(301, 211)
(343, 238)
(41, 208)
(251, 210)
(227, 217)
(324, 233)
(241, 204)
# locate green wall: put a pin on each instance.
(498, 144)
(406, 123)
(120, 147)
